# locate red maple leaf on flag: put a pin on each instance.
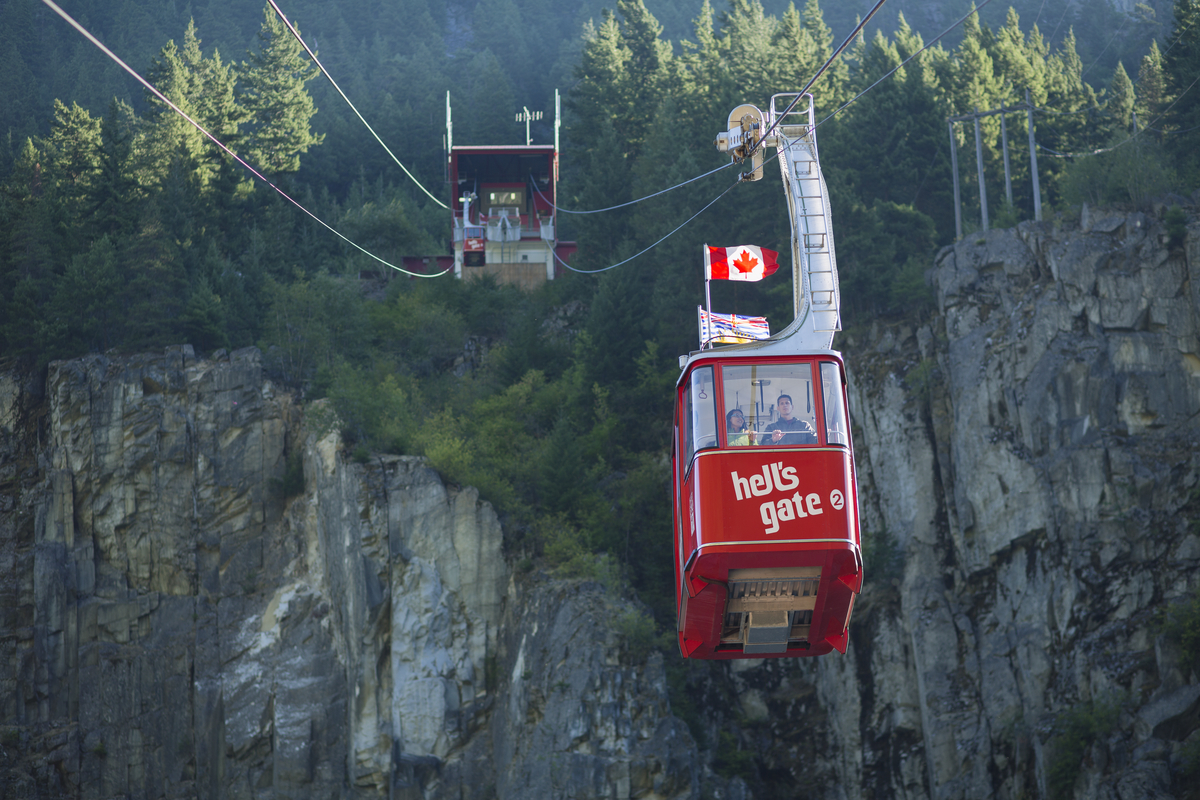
(745, 262)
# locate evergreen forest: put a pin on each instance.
(122, 228)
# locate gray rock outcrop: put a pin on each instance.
(174, 626)
(1030, 460)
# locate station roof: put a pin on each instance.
(503, 148)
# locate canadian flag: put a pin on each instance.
(742, 263)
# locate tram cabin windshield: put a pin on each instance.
(774, 403)
(770, 405)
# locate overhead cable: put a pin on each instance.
(1066, 8)
(325, 72)
(651, 247)
(896, 68)
(1057, 154)
(1148, 127)
(87, 34)
(857, 29)
(1096, 60)
(1039, 14)
(631, 202)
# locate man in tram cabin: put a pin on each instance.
(788, 429)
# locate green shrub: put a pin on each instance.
(1189, 758)
(1181, 624)
(1006, 217)
(491, 672)
(730, 760)
(920, 379)
(292, 483)
(1124, 174)
(637, 633)
(563, 546)
(1074, 732)
(1176, 222)
(682, 695)
(882, 557)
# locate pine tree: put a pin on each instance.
(72, 159)
(1150, 87)
(173, 145)
(85, 310)
(279, 106)
(212, 93)
(833, 87)
(746, 40)
(491, 103)
(1181, 72)
(1121, 100)
(116, 192)
(795, 51)
(501, 28)
(28, 242)
(1021, 60)
(155, 284)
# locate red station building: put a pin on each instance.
(502, 203)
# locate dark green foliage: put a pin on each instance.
(1132, 173)
(883, 560)
(1181, 69)
(730, 760)
(635, 630)
(85, 310)
(311, 325)
(1189, 758)
(1176, 222)
(682, 695)
(277, 104)
(1181, 624)
(1075, 730)
(292, 482)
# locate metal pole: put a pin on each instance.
(707, 297)
(954, 172)
(1004, 143)
(1037, 191)
(979, 166)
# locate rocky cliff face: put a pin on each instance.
(176, 626)
(180, 617)
(1033, 453)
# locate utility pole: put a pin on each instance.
(1033, 170)
(1004, 145)
(954, 171)
(979, 166)
(975, 117)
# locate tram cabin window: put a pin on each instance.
(497, 201)
(700, 412)
(835, 404)
(774, 400)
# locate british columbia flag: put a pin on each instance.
(731, 328)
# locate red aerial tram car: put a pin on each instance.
(767, 543)
(768, 552)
